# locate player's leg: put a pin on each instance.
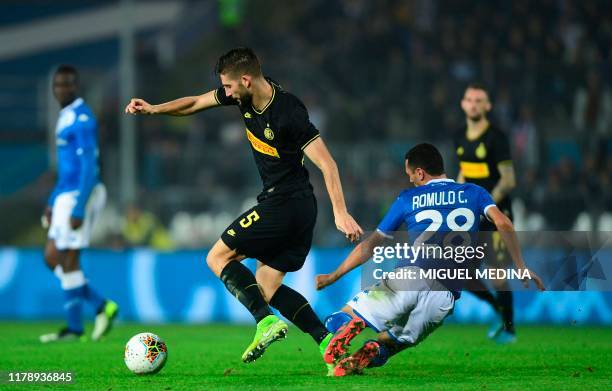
(505, 332)
(345, 325)
(373, 353)
(64, 245)
(106, 309)
(426, 310)
(241, 283)
(290, 303)
(74, 328)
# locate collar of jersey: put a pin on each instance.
(481, 134)
(431, 181)
(76, 103)
(269, 102)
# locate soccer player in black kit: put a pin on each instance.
(484, 159)
(278, 230)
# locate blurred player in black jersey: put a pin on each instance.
(278, 230)
(484, 159)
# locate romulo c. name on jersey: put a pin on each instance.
(278, 135)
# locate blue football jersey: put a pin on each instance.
(76, 137)
(440, 206)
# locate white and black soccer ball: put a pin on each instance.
(145, 354)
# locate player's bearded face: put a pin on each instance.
(475, 104)
(236, 88)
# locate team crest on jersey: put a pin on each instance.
(247, 115)
(268, 133)
(460, 151)
(481, 151)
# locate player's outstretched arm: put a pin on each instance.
(506, 230)
(318, 153)
(360, 255)
(179, 107)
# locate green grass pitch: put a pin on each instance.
(208, 356)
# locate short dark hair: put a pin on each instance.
(69, 70)
(426, 157)
(477, 86)
(240, 60)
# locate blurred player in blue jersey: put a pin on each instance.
(404, 312)
(73, 207)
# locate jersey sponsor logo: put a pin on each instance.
(231, 232)
(261, 146)
(474, 170)
(481, 151)
(247, 115)
(268, 133)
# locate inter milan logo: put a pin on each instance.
(268, 133)
(481, 151)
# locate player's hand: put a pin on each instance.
(45, 219)
(536, 280)
(323, 280)
(139, 106)
(349, 227)
(76, 222)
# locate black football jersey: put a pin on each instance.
(278, 135)
(478, 159)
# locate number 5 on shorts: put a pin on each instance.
(250, 219)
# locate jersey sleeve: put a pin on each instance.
(302, 131)
(485, 201)
(393, 219)
(501, 152)
(223, 99)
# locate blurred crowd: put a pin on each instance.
(378, 77)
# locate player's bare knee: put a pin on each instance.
(51, 256)
(70, 261)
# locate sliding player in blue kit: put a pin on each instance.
(405, 312)
(73, 207)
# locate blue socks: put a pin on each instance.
(334, 321)
(76, 290)
(382, 357)
(74, 308)
(94, 298)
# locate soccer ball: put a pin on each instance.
(145, 354)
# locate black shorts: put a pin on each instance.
(277, 231)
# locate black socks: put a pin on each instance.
(506, 308)
(296, 308)
(239, 280)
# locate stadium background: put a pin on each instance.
(377, 77)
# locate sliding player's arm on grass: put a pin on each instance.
(318, 153)
(506, 230)
(360, 255)
(179, 107)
